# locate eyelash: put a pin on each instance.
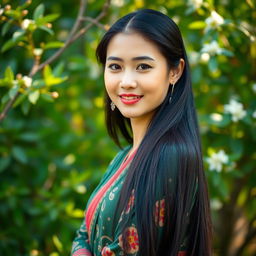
(146, 66)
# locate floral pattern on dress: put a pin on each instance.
(160, 212)
(130, 203)
(132, 240)
(107, 252)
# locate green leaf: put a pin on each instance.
(29, 136)
(3, 82)
(48, 30)
(8, 74)
(39, 11)
(54, 44)
(50, 79)
(58, 70)
(18, 34)
(6, 27)
(47, 71)
(5, 98)
(197, 25)
(15, 14)
(34, 96)
(9, 44)
(237, 147)
(20, 99)
(47, 97)
(57, 243)
(17, 37)
(19, 154)
(213, 64)
(13, 91)
(46, 19)
(39, 83)
(25, 107)
(4, 163)
(227, 53)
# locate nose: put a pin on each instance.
(128, 81)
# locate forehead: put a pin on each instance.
(131, 45)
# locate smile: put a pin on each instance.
(130, 98)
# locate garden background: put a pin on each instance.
(53, 142)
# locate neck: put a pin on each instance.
(139, 129)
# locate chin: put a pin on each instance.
(128, 115)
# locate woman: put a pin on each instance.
(153, 199)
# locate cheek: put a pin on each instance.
(111, 85)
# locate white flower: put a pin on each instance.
(216, 204)
(196, 3)
(214, 21)
(216, 117)
(38, 51)
(27, 81)
(216, 160)
(81, 189)
(118, 3)
(212, 48)
(193, 58)
(254, 114)
(1, 11)
(235, 109)
(25, 23)
(254, 87)
(205, 57)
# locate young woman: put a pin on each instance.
(153, 199)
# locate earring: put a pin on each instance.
(112, 106)
(170, 99)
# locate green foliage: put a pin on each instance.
(53, 143)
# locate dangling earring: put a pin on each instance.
(170, 99)
(112, 106)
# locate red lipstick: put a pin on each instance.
(130, 98)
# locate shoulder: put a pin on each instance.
(120, 155)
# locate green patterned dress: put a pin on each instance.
(99, 234)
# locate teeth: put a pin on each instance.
(130, 97)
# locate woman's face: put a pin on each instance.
(136, 75)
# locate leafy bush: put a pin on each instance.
(53, 143)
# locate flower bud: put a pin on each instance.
(18, 76)
(24, 12)
(49, 25)
(55, 95)
(3, 18)
(8, 7)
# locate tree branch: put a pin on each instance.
(94, 22)
(73, 36)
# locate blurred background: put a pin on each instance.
(54, 147)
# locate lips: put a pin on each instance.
(130, 98)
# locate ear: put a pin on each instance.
(175, 73)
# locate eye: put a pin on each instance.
(143, 66)
(114, 66)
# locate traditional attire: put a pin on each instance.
(100, 234)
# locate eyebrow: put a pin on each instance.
(134, 59)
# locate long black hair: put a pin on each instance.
(168, 163)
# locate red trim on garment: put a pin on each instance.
(182, 253)
(82, 252)
(91, 209)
